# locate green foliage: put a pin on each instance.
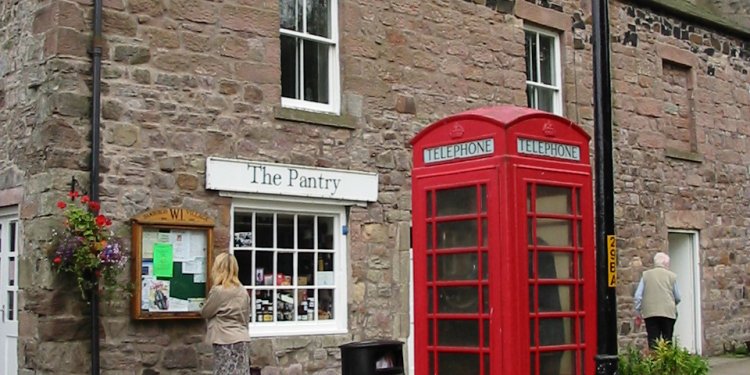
(664, 359)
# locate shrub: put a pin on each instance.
(664, 359)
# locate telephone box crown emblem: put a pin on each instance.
(549, 130)
(457, 131)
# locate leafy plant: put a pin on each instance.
(664, 359)
(86, 247)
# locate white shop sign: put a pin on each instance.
(549, 149)
(296, 180)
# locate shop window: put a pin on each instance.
(291, 264)
(543, 70)
(309, 55)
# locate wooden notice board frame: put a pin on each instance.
(172, 256)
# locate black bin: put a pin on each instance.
(372, 357)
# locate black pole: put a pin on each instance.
(606, 257)
(96, 61)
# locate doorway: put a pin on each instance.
(9, 255)
(685, 262)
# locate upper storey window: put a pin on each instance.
(309, 55)
(543, 83)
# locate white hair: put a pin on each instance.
(661, 260)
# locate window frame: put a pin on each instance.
(557, 101)
(339, 323)
(334, 85)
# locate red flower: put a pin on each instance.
(93, 206)
(61, 205)
(73, 195)
(109, 222)
(84, 199)
(101, 220)
(57, 260)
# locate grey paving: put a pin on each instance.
(729, 366)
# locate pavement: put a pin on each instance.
(729, 365)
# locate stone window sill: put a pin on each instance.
(683, 155)
(327, 119)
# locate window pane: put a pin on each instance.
(285, 268)
(289, 67)
(325, 233)
(318, 16)
(290, 12)
(245, 262)
(263, 306)
(547, 59)
(305, 268)
(243, 229)
(316, 71)
(325, 269)
(305, 305)
(285, 305)
(457, 201)
(285, 231)
(13, 236)
(305, 232)
(546, 100)
(531, 73)
(11, 271)
(11, 306)
(264, 230)
(325, 304)
(264, 266)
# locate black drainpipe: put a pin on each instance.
(96, 68)
(606, 358)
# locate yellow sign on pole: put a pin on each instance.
(611, 261)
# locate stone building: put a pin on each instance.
(343, 90)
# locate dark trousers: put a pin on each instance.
(659, 327)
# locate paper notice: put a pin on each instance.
(163, 259)
(149, 239)
(181, 245)
(197, 265)
(176, 304)
(199, 278)
(197, 245)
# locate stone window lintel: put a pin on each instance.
(319, 118)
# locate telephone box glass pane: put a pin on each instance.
(429, 236)
(458, 363)
(484, 232)
(553, 298)
(532, 362)
(554, 232)
(554, 265)
(557, 363)
(456, 201)
(458, 333)
(555, 331)
(457, 234)
(485, 266)
(483, 193)
(457, 266)
(462, 299)
(554, 199)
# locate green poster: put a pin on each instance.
(163, 259)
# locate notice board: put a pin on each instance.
(172, 250)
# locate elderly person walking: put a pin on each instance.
(656, 300)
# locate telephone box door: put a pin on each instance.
(452, 275)
(556, 236)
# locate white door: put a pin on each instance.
(685, 262)
(8, 291)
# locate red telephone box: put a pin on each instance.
(503, 245)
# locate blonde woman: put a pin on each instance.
(227, 310)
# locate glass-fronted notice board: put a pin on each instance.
(172, 250)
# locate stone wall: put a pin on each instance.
(187, 79)
(660, 185)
